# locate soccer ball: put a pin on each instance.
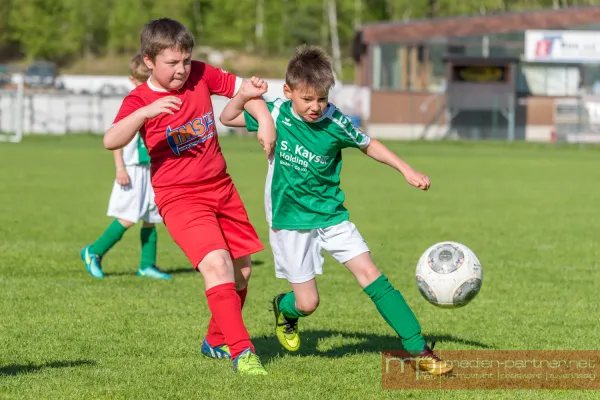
(449, 275)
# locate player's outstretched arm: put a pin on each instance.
(379, 152)
(122, 132)
(249, 97)
(266, 134)
(250, 92)
(233, 113)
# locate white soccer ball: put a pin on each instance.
(449, 275)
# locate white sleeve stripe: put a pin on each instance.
(365, 139)
(275, 112)
(365, 142)
(238, 84)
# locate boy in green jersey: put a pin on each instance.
(304, 202)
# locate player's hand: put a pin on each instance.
(267, 136)
(123, 177)
(417, 179)
(255, 87)
(167, 105)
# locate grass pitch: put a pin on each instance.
(530, 213)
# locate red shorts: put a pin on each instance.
(209, 217)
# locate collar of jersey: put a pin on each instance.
(156, 89)
(327, 112)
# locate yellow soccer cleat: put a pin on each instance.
(248, 363)
(286, 329)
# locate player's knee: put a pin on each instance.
(217, 266)
(307, 304)
(126, 224)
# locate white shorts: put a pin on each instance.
(297, 253)
(135, 201)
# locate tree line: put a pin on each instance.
(64, 30)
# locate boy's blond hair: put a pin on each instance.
(310, 68)
(165, 33)
(138, 69)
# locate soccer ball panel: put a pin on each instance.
(426, 290)
(466, 292)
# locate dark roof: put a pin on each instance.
(420, 30)
(471, 60)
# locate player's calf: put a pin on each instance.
(242, 269)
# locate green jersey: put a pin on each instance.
(303, 182)
(136, 153)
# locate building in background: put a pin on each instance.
(476, 76)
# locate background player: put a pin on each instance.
(132, 199)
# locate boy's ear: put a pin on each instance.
(287, 91)
(148, 61)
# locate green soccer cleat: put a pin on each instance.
(248, 363)
(286, 329)
(152, 271)
(92, 263)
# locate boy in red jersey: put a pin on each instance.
(195, 195)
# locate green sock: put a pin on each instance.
(111, 235)
(148, 237)
(393, 308)
(287, 306)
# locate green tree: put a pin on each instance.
(45, 30)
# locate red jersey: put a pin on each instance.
(183, 147)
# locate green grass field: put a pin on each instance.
(530, 212)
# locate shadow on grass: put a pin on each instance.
(173, 271)
(335, 344)
(16, 369)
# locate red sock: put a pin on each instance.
(226, 307)
(214, 336)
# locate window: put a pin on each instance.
(590, 78)
(401, 67)
(548, 80)
(437, 70)
(386, 66)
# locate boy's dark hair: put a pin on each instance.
(310, 67)
(165, 33)
(138, 69)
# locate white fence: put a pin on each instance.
(90, 103)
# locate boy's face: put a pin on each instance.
(309, 104)
(170, 68)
